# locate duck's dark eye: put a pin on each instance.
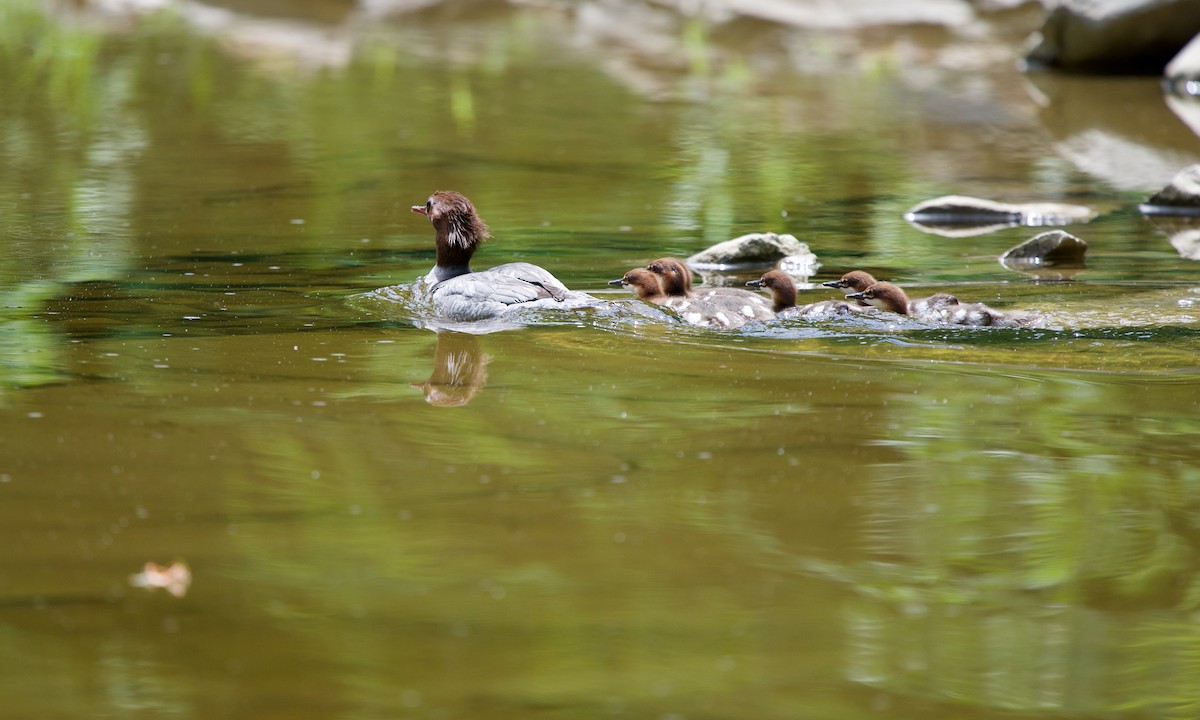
(429, 206)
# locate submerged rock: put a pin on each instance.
(1114, 36)
(957, 211)
(962, 209)
(1055, 249)
(1180, 197)
(753, 250)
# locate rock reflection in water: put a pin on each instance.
(459, 370)
(1135, 150)
(1182, 232)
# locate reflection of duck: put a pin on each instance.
(463, 295)
(891, 298)
(783, 292)
(712, 307)
(856, 281)
(459, 370)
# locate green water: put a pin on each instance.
(603, 515)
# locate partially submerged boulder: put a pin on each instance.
(1114, 36)
(747, 251)
(1052, 255)
(961, 209)
(1054, 247)
(1180, 197)
(1182, 75)
(964, 210)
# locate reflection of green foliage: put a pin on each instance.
(1048, 490)
(1022, 531)
(30, 354)
(695, 43)
(40, 58)
(544, 515)
(1025, 656)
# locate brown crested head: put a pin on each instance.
(455, 219)
(676, 276)
(885, 296)
(781, 286)
(855, 281)
(645, 283)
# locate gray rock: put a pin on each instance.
(964, 210)
(1123, 36)
(961, 209)
(1182, 75)
(753, 250)
(1055, 247)
(1180, 197)
(843, 15)
(1053, 255)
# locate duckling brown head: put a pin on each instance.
(854, 281)
(780, 285)
(676, 276)
(646, 284)
(883, 295)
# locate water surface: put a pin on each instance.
(605, 514)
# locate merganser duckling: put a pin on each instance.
(715, 307)
(892, 298)
(783, 293)
(643, 282)
(650, 286)
(856, 281)
(460, 294)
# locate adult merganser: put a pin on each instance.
(715, 307)
(891, 298)
(463, 295)
(783, 293)
(856, 281)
